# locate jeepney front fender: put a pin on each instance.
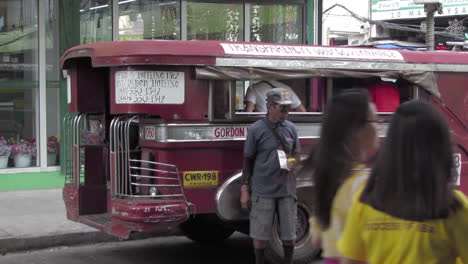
(228, 206)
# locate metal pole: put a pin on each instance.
(430, 9)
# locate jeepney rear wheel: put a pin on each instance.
(304, 250)
(206, 229)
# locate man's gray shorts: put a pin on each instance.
(262, 214)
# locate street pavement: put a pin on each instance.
(36, 219)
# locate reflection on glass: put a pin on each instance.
(157, 19)
(215, 21)
(276, 23)
(240, 95)
(221, 97)
(95, 21)
(18, 83)
(52, 82)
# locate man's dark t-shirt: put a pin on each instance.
(268, 179)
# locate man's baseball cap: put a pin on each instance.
(278, 96)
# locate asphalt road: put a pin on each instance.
(163, 250)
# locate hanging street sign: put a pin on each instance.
(407, 9)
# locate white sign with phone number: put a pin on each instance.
(149, 87)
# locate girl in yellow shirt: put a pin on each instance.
(349, 133)
(408, 212)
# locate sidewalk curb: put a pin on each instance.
(10, 245)
(16, 244)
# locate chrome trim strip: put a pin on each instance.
(156, 163)
(151, 177)
(150, 196)
(149, 169)
(154, 185)
(333, 64)
(184, 133)
(290, 113)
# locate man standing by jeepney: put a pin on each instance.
(271, 148)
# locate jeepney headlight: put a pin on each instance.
(153, 191)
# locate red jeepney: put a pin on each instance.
(156, 129)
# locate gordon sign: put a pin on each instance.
(404, 9)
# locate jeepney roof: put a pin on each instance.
(243, 54)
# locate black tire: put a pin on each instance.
(206, 229)
(304, 251)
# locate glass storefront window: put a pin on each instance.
(52, 83)
(281, 23)
(215, 21)
(143, 19)
(95, 21)
(19, 84)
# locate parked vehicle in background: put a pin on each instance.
(156, 129)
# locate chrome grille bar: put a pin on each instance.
(67, 145)
(74, 124)
(135, 176)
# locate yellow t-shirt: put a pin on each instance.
(376, 237)
(340, 207)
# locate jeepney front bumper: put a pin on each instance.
(151, 211)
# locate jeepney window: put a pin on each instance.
(221, 101)
(230, 99)
(386, 93)
(240, 94)
(299, 89)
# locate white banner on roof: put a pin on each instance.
(310, 52)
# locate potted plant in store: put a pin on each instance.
(23, 151)
(52, 150)
(5, 150)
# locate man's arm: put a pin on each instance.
(300, 108)
(249, 106)
(247, 171)
(295, 156)
(294, 160)
(245, 181)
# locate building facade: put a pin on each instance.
(406, 21)
(345, 22)
(35, 33)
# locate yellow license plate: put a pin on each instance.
(200, 179)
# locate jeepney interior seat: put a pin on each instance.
(384, 94)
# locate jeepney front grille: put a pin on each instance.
(133, 173)
(73, 163)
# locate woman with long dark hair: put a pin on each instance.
(409, 211)
(348, 134)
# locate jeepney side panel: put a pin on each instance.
(82, 81)
(223, 157)
(453, 87)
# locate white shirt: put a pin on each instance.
(256, 94)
